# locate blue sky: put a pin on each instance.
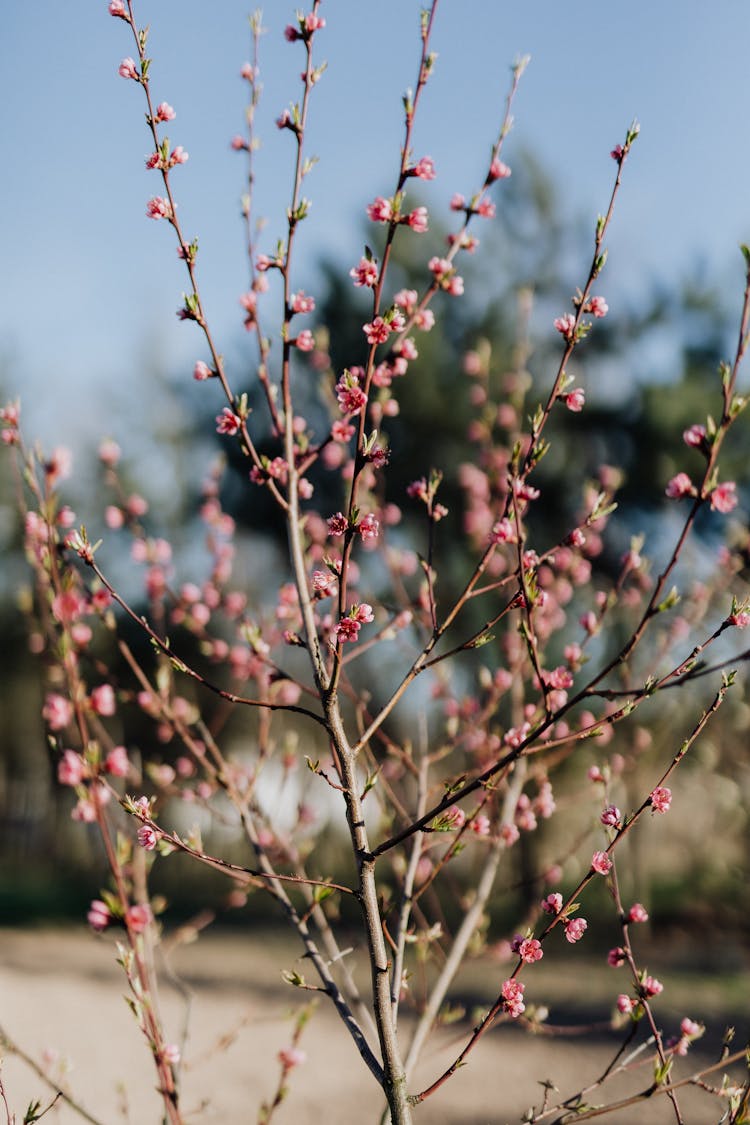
(92, 285)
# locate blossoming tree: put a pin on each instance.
(477, 777)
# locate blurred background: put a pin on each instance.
(90, 342)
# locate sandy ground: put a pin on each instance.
(61, 1001)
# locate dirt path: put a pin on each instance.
(61, 999)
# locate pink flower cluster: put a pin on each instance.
(228, 422)
(158, 208)
(378, 330)
(137, 917)
(575, 928)
(611, 816)
(306, 27)
(351, 398)
(528, 949)
(601, 863)
(348, 627)
(512, 994)
(365, 273)
(661, 799)
(445, 275)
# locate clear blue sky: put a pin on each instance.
(91, 284)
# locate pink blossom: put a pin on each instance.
(338, 524)
(588, 622)
(740, 620)
(651, 987)
(616, 957)
(575, 400)
(99, 915)
(509, 834)
(480, 825)
(147, 837)
(164, 112)
(512, 994)
(440, 267)
(301, 303)
(661, 799)
(323, 583)
(369, 527)
(137, 505)
(690, 1029)
(575, 928)
(117, 8)
(84, 811)
(377, 331)
(238, 143)
(458, 202)
(679, 486)
(597, 306)
(71, 769)
(347, 630)
(228, 422)
(116, 762)
(138, 917)
(485, 208)
(289, 1057)
(127, 69)
(503, 532)
(424, 169)
(103, 700)
(365, 273)
(610, 818)
(305, 341)
(342, 431)
(601, 863)
(202, 371)
(530, 950)
(417, 220)
(552, 904)
(158, 208)
(363, 613)
(11, 414)
(515, 736)
(617, 153)
(637, 913)
(625, 1004)
(351, 397)
(417, 490)
(455, 817)
(724, 498)
(59, 465)
(565, 325)
(57, 711)
(559, 678)
(544, 802)
(695, 436)
(498, 170)
(380, 210)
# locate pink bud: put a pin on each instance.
(127, 69)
